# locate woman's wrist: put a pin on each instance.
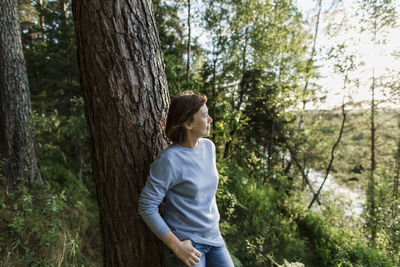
(184, 250)
(171, 241)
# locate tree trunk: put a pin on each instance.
(371, 181)
(371, 201)
(397, 173)
(309, 62)
(17, 142)
(233, 125)
(188, 44)
(214, 85)
(125, 93)
(41, 20)
(332, 158)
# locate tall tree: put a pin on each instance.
(239, 44)
(17, 141)
(378, 17)
(189, 41)
(125, 93)
(344, 66)
(174, 45)
(50, 54)
(215, 21)
(270, 80)
(397, 173)
(309, 64)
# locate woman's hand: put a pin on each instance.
(185, 251)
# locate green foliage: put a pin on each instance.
(253, 220)
(41, 227)
(334, 247)
(61, 217)
(49, 47)
(263, 226)
(63, 149)
(173, 39)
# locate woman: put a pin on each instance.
(185, 174)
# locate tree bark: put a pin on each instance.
(125, 93)
(17, 142)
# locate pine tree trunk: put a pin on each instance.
(125, 94)
(17, 142)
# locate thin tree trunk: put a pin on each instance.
(65, 46)
(271, 142)
(17, 141)
(309, 64)
(272, 134)
(41, 20)
(125, 92)
(397, 174)
(293, 157)
(328, 169)
(233, 126)
(308, 67)
(371, 180)
(301, 169)
(214, 84)
(244, 67)
(371, 203)
(188, 44)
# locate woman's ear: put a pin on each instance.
(188, 126)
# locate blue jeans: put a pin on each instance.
(210, 256)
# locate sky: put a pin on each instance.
(368, 57)
(374, 58)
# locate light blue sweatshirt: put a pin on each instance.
(188, 179)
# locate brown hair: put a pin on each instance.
(181, 111)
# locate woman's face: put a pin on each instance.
(200, 126)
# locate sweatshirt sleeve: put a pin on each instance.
(158, 182)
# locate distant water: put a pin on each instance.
(352, 199)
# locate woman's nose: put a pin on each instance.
(210, 119)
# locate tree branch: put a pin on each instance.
(328, 169)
